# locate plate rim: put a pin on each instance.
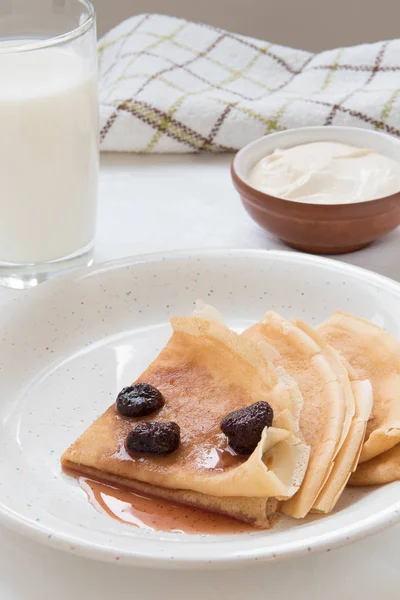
(361, 529)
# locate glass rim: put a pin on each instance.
(57, 39)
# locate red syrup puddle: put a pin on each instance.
(156, 514)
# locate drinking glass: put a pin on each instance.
(48, 138)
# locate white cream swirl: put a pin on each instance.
(326, 173)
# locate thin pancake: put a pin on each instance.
(204, 372)
(384, 468)
(375, 355)
(349, 454)
(358, 409)
(315, 368)
(343, 372)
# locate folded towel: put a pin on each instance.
(168, 85)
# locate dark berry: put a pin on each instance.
(154, 438)
(139, 400)
(244, 427)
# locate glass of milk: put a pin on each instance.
(48, 138)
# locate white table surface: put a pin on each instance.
(147, 204)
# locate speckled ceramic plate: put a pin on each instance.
(68, 346)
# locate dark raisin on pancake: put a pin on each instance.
(244, 427)
(153, 438)
(139, 400)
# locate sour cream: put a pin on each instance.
(326, 173)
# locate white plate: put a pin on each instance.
(70, 345)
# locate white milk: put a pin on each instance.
(48, 155)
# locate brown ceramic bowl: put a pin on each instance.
(320, 229)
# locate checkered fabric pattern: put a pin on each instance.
(168, 85)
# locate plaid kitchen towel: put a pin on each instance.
(168, 85)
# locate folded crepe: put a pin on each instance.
(384, 468)
(358, 410)
(374, 355)
(348, 456)
(329, 403)
(205, 372)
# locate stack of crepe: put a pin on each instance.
(322, 385)
(373, 354)
(336, 409)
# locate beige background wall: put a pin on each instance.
(309, 24)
